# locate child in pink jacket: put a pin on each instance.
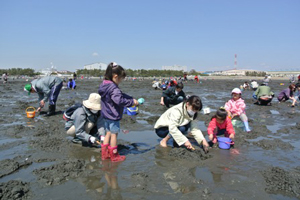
(220, 124)
(236, 106)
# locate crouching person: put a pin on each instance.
(263, 95)
(176, 122)
(86, 124)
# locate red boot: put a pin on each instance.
(104, 151)
(115, 157)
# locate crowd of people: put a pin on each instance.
(96, 121)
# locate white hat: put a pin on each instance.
(236, 90)
(93, 102)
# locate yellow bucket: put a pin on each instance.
(30, 114)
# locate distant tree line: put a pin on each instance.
(138, 73)
(255, 73)
(19, 72)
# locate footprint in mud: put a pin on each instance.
(9, 166)
(126, 148)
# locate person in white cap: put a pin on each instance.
(86, 123)
(236, 106)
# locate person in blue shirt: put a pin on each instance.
(71, 84)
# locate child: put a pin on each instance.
(287, 94)
(176, 121)
(71, 84)
(220, 124)
(113, 102)
(236, 107)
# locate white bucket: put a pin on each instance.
(206, 110)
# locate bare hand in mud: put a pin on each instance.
(188, 145)
(125, 131)
(39, 109)
(205, 148)
(135, 102)
(162, 103)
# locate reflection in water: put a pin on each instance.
(111, 177)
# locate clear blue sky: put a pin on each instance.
(201, 34)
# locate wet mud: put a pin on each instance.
(37, 157)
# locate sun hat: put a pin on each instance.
(93, 102)
(236, 91)
(27, 88)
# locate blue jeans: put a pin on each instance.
(112, 126)
(167, 101)
(54, 93)
(164, 131)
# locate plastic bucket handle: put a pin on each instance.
(29, 108)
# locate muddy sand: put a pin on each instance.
(38, 160)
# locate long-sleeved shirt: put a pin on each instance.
(285, 94)
(236, 107)
(178, 116)
(80, 117)
(71, 84)
(43, 86)
(170, 92)
(263, 91)
(213, 124)
(113, 100)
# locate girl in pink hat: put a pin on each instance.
(236, 106)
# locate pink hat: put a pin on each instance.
(236, 91)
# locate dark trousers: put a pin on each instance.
(168, 101)
(164, 131)
(54, 93)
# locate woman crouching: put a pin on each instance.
(176, 122)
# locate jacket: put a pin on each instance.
(263, 91)
(178, 116)
(113, 100)
(80, 117)
(170, 92)
(213, 124)
(43, 86)
(236, 107)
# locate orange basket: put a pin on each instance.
(30, 114)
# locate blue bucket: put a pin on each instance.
(224, 142)
(132, 110)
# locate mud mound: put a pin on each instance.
(140, 181)
(257, 131)
(49, 144)
(280, 181)
(9, 166)
(59, 173)
(273, 144)
(182, 153)
(42, 131)
(298, 126)
(14, 190)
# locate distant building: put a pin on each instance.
(175, 67)
(101, 66)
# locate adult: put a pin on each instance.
(287, 94)
(71, 84)
(254, 85)
(263, 95)
(4, 77)
(86, 123)
(48, 88)
(74, 76)
(173, 95)
(266, 80)
(176, 122)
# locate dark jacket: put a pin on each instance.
(113, 100)
(170, 92)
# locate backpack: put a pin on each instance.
(69, 112)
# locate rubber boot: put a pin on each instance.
(51, 110)
(247, 128)
(105, 152)
(115, 157)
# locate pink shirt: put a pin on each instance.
(236, 107)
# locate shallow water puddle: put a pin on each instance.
(274, 112)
